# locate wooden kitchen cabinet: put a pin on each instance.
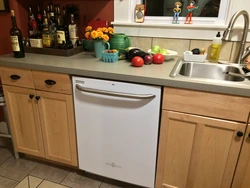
(58, 127)
(197, 151)
(200, 141)
(24, 120)
(242, 174)
(41, 119)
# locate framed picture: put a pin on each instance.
(4, 6)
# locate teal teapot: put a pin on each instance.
(120, 42)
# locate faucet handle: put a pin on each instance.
(248, 48)
(246, 53)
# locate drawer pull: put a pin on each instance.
(50, 82)
(15, 77)
(38, 97)
(31, 96)
(240, 134)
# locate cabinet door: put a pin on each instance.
(58, 127)
(242, 174)
(24, 120)
(197, 151)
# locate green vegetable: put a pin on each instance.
(122, 57)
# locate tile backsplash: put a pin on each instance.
(228, 51)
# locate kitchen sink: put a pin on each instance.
(208, 71)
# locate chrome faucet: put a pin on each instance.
(227, 33)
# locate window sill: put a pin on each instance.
(169, 30)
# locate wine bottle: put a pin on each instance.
(57, 13)
(60, 31)
(31, 20)
(52, 26)
(16, 38)
(73, 31)
(48, 13)
(36, 37)
(52, 15)
(65, 25)
(39, 19)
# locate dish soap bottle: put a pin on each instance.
(215, 48)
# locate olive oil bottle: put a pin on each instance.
(16, 38)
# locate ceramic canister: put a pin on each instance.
(119, 41)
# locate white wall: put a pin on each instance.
(236, 5)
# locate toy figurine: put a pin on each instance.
(177, 12)
(191, 8)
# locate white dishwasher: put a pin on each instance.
(117, 129)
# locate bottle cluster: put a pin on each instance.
(52, 28)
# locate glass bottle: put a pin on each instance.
(36, 33)
(39, 19)
(48, 14)
(65, 25)
(52, 26)
(36, 37)
(31, 19)
(52, 15)
(31, 15)
(57, 14)
(46, 35)
(61, 39)
(73, 31)
(16, 38)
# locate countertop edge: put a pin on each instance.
(167, 81)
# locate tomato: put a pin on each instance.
(158, 59)
(137, 61)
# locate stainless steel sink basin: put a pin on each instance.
(207, 71)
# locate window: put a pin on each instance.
(206, 8)
(161, 26)
(208, 11)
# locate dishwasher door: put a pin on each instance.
(117, 129)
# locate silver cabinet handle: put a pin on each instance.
(117, 94)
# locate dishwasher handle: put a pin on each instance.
(113, 93)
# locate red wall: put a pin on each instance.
(89, 10)
(21, 14)
(5, 25)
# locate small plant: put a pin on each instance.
(101, 33)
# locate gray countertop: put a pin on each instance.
(84, 64)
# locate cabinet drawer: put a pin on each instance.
(52, 82)
(16, 77)
(207, 104)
